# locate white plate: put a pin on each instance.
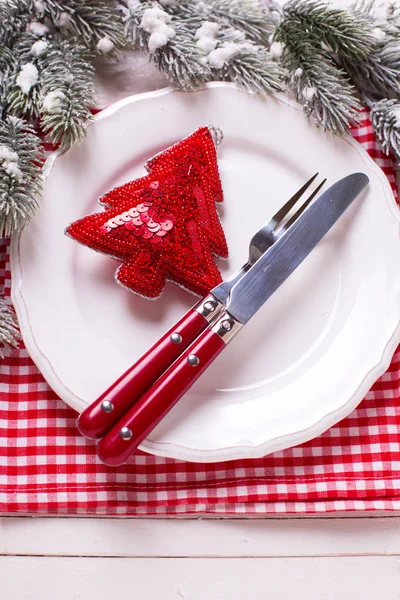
(304, 361)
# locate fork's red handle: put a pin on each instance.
(126, 435)
(100, 416)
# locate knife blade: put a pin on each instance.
(245, 299)
(274, 267)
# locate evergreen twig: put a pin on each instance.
(181, 59)
(67, 93)
(251, 66)
(89, 21)
(385, 119)
(20, 174)
(315, 80)
(6, 68)
(377, 74)
(9, 333)
(337, 29)
(20, 103)
(246, 16)
(14, 17)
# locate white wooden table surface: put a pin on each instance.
(321, 558)
(99, 559)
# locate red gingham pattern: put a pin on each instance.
(46, 467)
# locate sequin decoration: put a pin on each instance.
(163, 226)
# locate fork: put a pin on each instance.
(104, 412)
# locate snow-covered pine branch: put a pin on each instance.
(376, 74)
(14, 18)
(170, 42)
(232, 57)
(9, 334)
(247, 16)
(385, 119)
(67, 92)
(305, 39)
(24, 84)
(20, 174)
(95, 23)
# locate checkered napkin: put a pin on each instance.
(46, 467)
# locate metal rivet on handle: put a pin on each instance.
(125, 433)
(210, 306)
(175, 338)
(107, 406)
(193, 360)
(227, 325)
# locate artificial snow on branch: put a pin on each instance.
(317, 82)
(67, 92)
(15, 15)
(6, 69)
(95, 23)
(335, 29)
(194, 42)
(376, 73)
(9, 334)
(169, 41)
(251, 66)
(24, 82)
(385, 118)
(377, 76)
(46, 71)
(246, 16)
(20, 173)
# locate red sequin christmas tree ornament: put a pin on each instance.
(164, 226)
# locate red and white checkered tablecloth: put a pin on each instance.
(46, 467)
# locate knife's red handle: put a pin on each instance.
(126, 435)
(100, 416)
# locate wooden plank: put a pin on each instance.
(199, 538)
(358, 578)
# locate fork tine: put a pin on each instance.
(286, 208)
(303, 207)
